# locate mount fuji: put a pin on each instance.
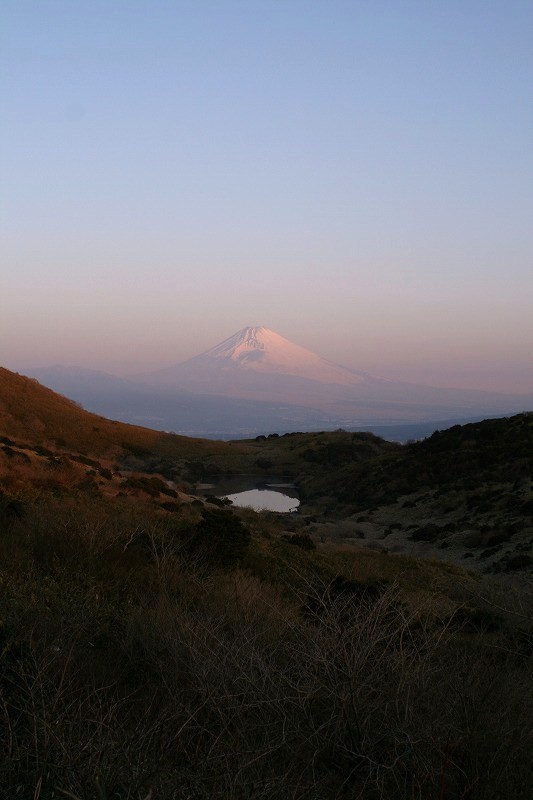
(258, 364)
(257, 381)
(253, 358)
(262, 350)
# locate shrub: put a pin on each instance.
(527, 508)
(345, 596)
(220, 538)
(152, 486)
(426, 533)
(264, 463)
(520, 561)
(138, 450)
(172, 507)
(302, 540)
(10, 508)
(217, 501)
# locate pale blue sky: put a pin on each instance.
(355, 175)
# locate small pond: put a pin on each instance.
(265, 500)
(255, 491)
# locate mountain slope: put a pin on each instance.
(31, 412)
(463, 493)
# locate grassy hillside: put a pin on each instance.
(157, 645)
(202, 654)
(31, 412)
(464, 493)
(462, 456)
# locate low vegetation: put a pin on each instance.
(467, 457)
(202, 655)
(464, 493)
(157, 644)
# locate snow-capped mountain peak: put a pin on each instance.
(241, 344)
(260, 349)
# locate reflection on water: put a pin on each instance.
(264, 500)
(272, 493)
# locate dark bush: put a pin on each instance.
(302, 540)
(137, 450)
(172, 507)
(426, 533)
(527, 507)
(140, 485)
(520, 561)
(350, 593)
(10, 508)
(217, 501)
(220, 538)
(498, 538)
(152, 486)
(264, 463)
(43, 451)
(89, 462)
(490, 551)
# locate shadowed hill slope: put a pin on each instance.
(464, 493)
(464, 456)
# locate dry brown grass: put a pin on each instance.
(31, 413)
(129, 668)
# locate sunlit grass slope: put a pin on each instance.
(31, 412)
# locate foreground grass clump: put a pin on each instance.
(200, 655)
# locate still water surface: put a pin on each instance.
(264, 500)
(276, 493)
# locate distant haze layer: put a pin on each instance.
(257, 381)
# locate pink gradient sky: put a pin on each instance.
(356, 176)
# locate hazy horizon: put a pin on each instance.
(355, 176)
